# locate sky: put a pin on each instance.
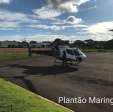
(42, 20)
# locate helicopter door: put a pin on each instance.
(70, 54)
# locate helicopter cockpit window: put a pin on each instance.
(76, 52)
(70, 52)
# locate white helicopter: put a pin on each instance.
(67, 54)
(64, 53)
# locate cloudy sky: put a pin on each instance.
(50, 19)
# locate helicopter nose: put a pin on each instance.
(84, 56)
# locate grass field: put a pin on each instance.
(97, 50)
(16, 99)
(13, 53)
(22, 53)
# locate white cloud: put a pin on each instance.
(79, 2)
(48, 27)
(47, 12)
(61, 25)
(5, 1)
(73, 20)
(101, 37)
(6, 25)
(36, 37)
(55, 8)
(51, 37)
(12, 16)
(102, 27)
(70, 22)
(39, 26)
(100, 31)
(10, 19)
(68, 6)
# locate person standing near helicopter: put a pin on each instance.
(64, 57)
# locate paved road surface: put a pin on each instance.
(93, 78)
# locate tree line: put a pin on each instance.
(85, 44)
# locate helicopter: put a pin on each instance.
(68, 55)
(65, 54)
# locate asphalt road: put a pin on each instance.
(93, 77)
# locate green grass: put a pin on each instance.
(14, 56)
(8, 56)
(97, 50)
(16, 99)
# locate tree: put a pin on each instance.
(58, 42)
(90, 43)
(78, 43)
